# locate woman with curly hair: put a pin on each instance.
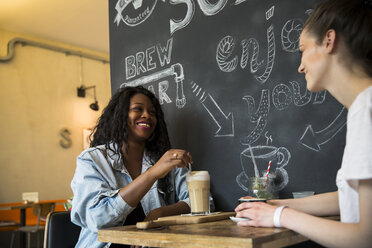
(129, 173)
(336, 47)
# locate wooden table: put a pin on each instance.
(223, 233)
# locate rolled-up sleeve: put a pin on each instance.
(96, 203)
(180, 185)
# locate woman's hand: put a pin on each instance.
(259, 213)
(154, 214)
(173, 209)
(171, 159)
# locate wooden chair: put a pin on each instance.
(60, 232)
(41, 210)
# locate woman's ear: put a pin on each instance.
(330, 40)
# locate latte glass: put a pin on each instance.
(198, 185)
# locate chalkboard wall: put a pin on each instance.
(226, 75)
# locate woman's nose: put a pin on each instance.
(145, 114)
(301, 68)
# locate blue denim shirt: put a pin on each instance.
(97, 204)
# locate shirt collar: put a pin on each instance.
(118, 164)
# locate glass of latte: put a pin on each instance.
(198, 185)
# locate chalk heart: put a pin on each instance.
(279, 158)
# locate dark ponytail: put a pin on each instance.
(352, 21)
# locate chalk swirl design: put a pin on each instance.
(291, 32)
(224, 50)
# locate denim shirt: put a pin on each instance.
(96, 203)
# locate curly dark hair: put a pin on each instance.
(112, 125)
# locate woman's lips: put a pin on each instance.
(144, 125)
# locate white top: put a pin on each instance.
(357, 159)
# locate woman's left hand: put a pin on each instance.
(259, 213)
(154, 214)
(173, 209)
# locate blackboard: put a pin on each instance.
(226, 75)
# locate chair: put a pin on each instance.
(60, 232)
(41, 210)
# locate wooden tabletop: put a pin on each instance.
(223, 233)
(23, 206)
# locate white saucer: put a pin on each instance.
(236, 219)
(252, 200)
(211, 213)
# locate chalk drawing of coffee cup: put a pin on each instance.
(260, 156)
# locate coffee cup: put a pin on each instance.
(198, 185)
(257, 159)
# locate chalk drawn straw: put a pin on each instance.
(256, 173)
(267, 172)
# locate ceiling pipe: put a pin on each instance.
(12, 43)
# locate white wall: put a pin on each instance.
(38, 97)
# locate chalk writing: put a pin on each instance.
(143, 61)
(246, 44)
(300, 100)
(179, 24)
(211, 9)
(283, 102)
(226, 46)
(320, 97)
(290, 35)
(259, 117)
(175, 70)
(270, 56)
(270, 13)
(138, 13)
(224, 50)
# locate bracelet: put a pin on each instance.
(277, 214)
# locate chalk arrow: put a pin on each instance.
(224, 122)
(313, 140)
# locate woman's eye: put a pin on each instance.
(137, 109)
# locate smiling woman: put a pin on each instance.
(141, 118)
(129, 173)
(336, 56)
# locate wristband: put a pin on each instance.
(277, 214)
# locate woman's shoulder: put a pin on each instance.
(363, 102)
(100, 157)
(366, 96)
(93, 151)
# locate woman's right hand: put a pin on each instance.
(171, 159)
